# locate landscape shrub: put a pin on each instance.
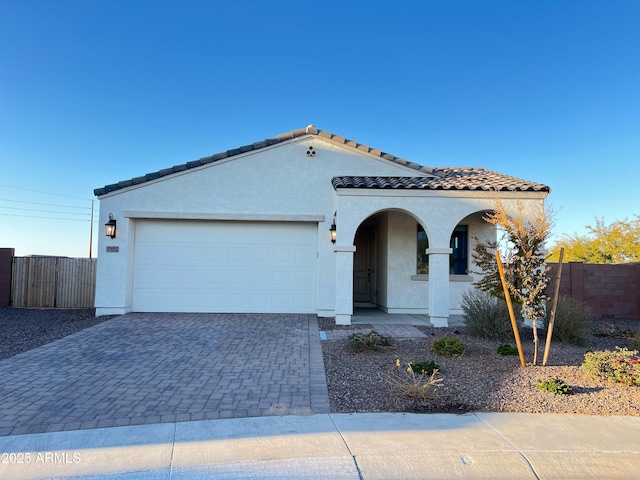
(486, 316)
(507, 350)
(447, 346)
(369, 341)
(573, 323)
(619, 366)
(557, 386)
(426, 367)
(413, 385)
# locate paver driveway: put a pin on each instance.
(159, 367)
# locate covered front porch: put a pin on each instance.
(409, 253)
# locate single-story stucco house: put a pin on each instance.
(305, 222)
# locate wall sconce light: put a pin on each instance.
(332, 232)
(110, 227)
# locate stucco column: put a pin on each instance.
(344, 283)
(439, 286)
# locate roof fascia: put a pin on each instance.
(194, 169)
(420, 193)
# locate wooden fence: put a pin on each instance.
(53, 282)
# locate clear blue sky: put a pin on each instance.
(92, 92)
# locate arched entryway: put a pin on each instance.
(385, 263)
(393, 261)
(396, 286)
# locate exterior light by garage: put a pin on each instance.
(110, 227)
(332, 232)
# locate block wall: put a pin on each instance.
(612, 291)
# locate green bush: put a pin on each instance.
(424, 368)
(447, 346)
(619, 366)
(557, 386)
(486, 316)
(507, 350)
(369, 341)
(573, 322)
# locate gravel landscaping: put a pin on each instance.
(479, 380)
(22, 329)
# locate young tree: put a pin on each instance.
(618, 242)
(523, 249)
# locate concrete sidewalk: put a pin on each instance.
(338, 446)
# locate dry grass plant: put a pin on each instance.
(420, 387)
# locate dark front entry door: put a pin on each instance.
(363, 266)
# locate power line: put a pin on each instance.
(44, 211)
(46, 204)
(48, 218)
(46, 193)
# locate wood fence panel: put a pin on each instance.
(76, 283)
(53, 282)
(18, 282)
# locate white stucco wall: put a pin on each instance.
(280, 180)
(283, 183)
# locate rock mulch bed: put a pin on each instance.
(22, 329)
(479, 380)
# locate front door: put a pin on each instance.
(363, 267)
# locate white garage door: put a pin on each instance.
(205, 266)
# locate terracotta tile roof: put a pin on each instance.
(446, 179)
(446, 176)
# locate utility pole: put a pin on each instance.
(91, 230)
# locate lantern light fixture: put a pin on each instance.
(110, 227)
(332, 232)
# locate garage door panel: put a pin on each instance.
(224, 266)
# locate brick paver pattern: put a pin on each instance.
(143, 368)
(396, 331)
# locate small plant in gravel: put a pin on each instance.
(424, 368)
(614, 331)
(506, 349)
(619, 366)
(573, 322)
(447, 346)
(486, 316)
(623, 333)
(369, 341)
(557, 386)
(413, 385)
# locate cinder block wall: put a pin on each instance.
(612, 291)
(6, 260)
